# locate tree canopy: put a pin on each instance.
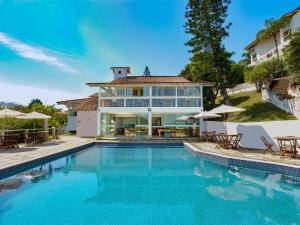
(292, 56)
(147, 72)
(207, 26)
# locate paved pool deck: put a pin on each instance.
(13, 157)
(245, 154)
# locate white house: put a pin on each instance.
(140, 106)
(262, 50)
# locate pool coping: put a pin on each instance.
(234, 161)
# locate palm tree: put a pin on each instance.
(272, 26)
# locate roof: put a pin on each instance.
(90, 104)
(143, 80)
(289, 14)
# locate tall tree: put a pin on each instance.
(292, 56)
(35, 101)
(272, 27)
(206, 24)
(147, 72)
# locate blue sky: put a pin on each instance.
(50, 48)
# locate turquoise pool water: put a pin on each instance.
(113, 185)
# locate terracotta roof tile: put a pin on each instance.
(149, 79)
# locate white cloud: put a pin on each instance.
(30, 52)
(24, 94)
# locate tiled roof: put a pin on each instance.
(90, 104)
(149, 79)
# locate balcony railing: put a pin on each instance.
(156, 102)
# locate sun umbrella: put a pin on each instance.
(35, 115)
(224, 109)
(183, 118)
(205, 115)
(8, 113)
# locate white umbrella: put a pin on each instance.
(224, 109)
(36, 115)
(206, 115)
(8, 113)
(183, 118)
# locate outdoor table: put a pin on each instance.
(287, 145)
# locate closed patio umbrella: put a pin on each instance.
(224, 109)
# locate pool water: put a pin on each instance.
(114, 185)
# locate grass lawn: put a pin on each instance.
(256, 109)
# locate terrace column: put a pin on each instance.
(99, 114)
(149, 122)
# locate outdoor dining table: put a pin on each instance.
(288, 145)
(228, 141)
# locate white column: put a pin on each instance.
(176, 97)
(149, 122)
(201, 95)
(99, 114)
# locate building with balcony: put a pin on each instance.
(264, 49)
(140, 106)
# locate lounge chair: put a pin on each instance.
(269, 146)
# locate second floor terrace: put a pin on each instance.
(162, 91)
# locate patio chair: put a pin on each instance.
(287, 147)
(236, 141)
(11, 141)
(269, 146)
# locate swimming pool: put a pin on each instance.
(157, 184)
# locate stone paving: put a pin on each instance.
(12, 157)
(251, 154)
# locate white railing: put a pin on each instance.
(287, 105)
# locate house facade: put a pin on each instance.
(265, 49)
(142, 106)
(147, 106)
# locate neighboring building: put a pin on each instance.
(140, 106)
(262, 50)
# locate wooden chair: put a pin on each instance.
(236, 141)
(287, 147)
(11, 141)
(269, 146)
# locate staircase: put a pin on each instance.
(280, 86)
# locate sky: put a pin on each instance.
(49, 49)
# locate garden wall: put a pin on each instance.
(253, 131)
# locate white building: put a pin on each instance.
(262, 50)
(141, 106)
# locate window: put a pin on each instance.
(188, 91)
(163, 102)
(138, 91)
(72, 113)
(163, 91)
(119, 72)
(287, 34)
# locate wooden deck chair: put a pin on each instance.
(269, 146)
